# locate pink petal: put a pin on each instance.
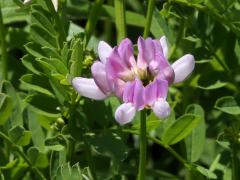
(119, 87)
(104, 51)
(117, 69)
(100, 78)
(161, 108)
(138, 95)
(167, 74)
(145, 52)
(128, 92)
(162, 89)
(183, 67)
(87, 87)
(125, 50)
(163, 42)
(125, 113)
(134, 93)
(151, 93)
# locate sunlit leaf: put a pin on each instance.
(228, 104)
(180, 129)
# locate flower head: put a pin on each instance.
(140, 83)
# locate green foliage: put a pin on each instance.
(20, 136)
(195, 141)
(180, 129)
(228, 104)
(5, 107)
(48, 131)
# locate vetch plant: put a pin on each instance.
(141, 83)
(52, 127)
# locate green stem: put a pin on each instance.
(19, 151)
(90, 160)
(159, 142)
(179, 37)
(150, 9)
(143, 147)
(210, 11)
(92, 19)
(235, 169)
(3, 48)
(174, 153)
(120, 19)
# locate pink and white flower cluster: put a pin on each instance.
(140, 82)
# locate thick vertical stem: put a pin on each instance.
(3, 48)
(92, 19)
(143, 147)
(235, 169)
(90, 160)
(37, 172)
(150, 9)
(120, 19)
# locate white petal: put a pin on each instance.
(104, 50)
(55, 4)
(26, 1)
(183, 67)
(99, 74)
(87, 87)
(163, 42)
(125, 113)
(161, 108)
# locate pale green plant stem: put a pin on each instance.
(19, 151)
(167, 147)
(120, 19)
(150, 9)
(235, 171)
(207, 10)
(4, 65)
(143, 147)
(92, 19)
(88, 150)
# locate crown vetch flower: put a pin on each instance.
(141, 83)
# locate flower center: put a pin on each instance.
(145, 76)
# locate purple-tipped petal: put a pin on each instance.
(167, 74)
(99, 74)
(125, 50)
(162, 89)
(145, 52)
(134, 93)
(104, 51)
(151, 93)
(163, 42)
(87, 87)
(118, 87)
(183, 67)
(161, 108)
(128, 92)
(125, 113)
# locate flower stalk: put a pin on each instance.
(150, 9)
(120, 19)
(3, 48)
(143, 147)
(92, 19)
(26, 159)
(235, 166)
